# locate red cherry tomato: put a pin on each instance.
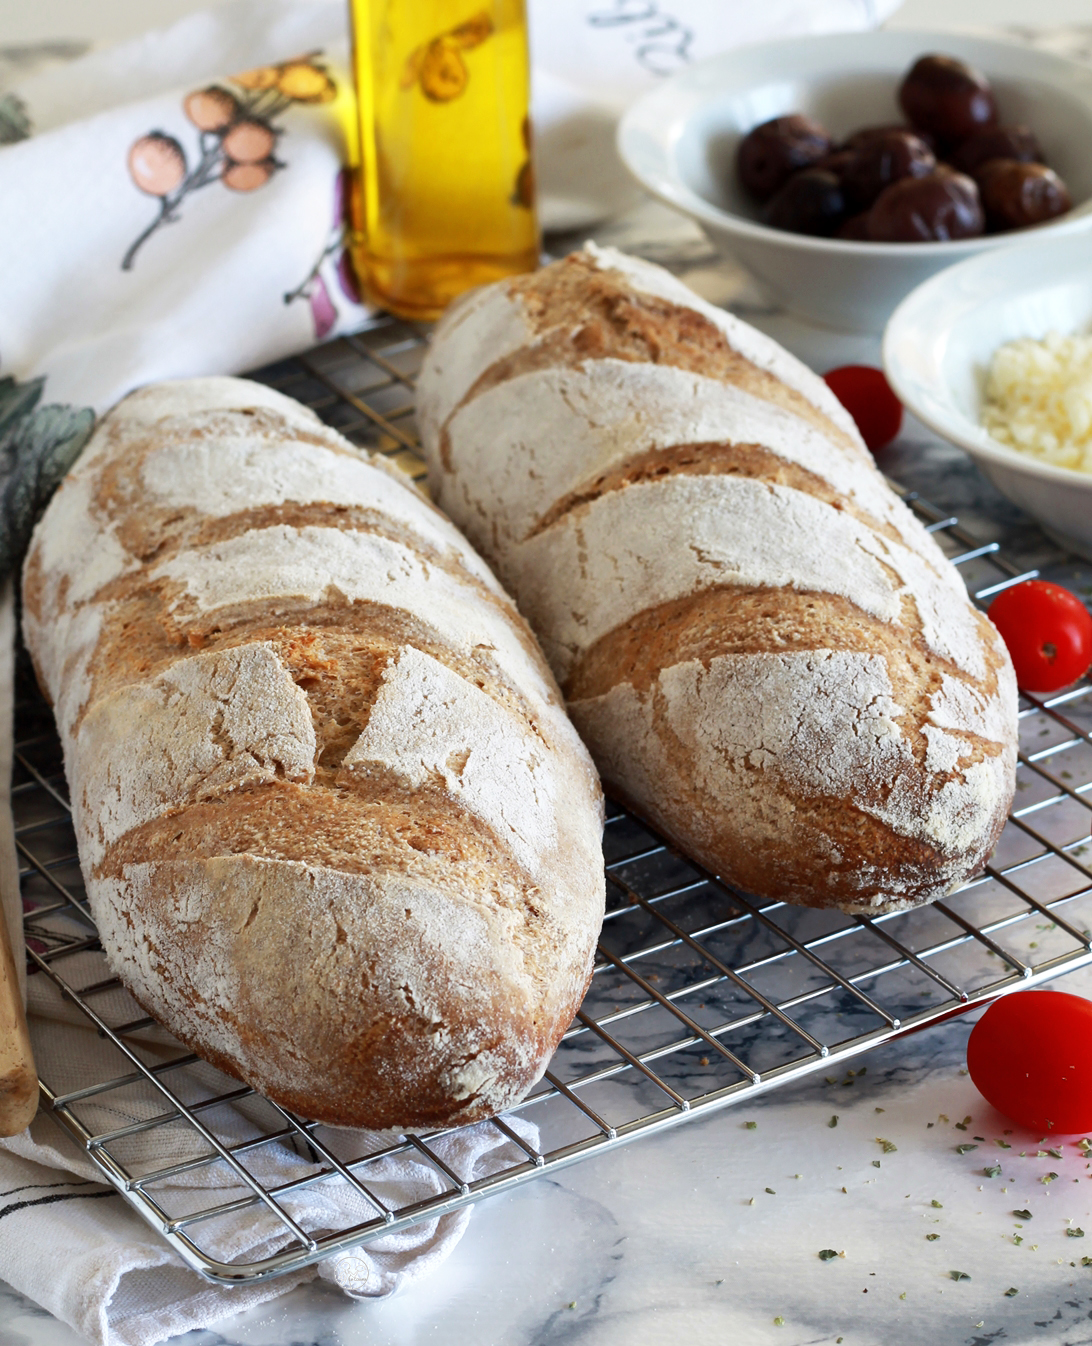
(1028, 1055)
(867, 396)
(1048, 631)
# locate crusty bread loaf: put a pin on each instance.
(767, 654)
(336, 830)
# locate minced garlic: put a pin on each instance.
(1039, 398)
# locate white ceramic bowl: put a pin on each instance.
(937, 348)
(680, 142)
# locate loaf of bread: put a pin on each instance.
(336, 829)
(767, 654)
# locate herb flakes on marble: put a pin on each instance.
(1011, 1291)
(827, 1254)
(959, 1276)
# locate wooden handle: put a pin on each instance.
(18, 1078)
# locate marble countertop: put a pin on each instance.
(711, 1232)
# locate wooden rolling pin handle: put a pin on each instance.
(18, 1078)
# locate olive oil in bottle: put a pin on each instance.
(444, 195)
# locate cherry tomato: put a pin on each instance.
(1048, 631)
(867, 396)
(1028, 1055)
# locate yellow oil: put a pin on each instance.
(444, 194)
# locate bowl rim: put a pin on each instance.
(654, 120)
(943, 298)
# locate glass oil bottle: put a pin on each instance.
(444, 194)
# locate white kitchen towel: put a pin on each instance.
(151, 228)
(170, 206)
(69, 1242)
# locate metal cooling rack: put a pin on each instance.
(702, 996)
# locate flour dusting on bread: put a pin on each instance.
(767, 654)
(336, 828)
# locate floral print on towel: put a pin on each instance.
(333, 269)
(237, 138)
(14, 121)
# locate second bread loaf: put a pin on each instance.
(766, 653)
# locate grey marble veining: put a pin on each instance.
(678, 1235)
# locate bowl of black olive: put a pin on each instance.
(844, 170)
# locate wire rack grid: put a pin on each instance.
(702, 996)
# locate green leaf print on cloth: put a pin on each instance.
(14, 122)
(38, 444)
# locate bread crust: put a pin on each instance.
(335, 827)
(768, 656)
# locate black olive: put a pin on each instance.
(1016, 194)
(769, 154)
(998, 142)
(881, 161)
(942, 205)
(810, 202)
(947, 98)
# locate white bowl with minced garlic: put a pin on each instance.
(995, 354)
